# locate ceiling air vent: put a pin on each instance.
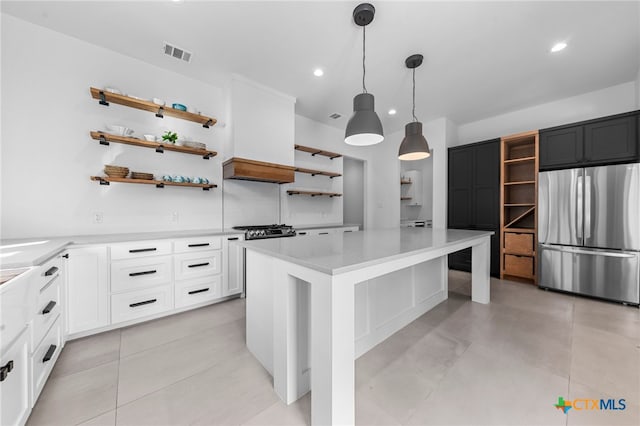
(335, 116)
(177, 52)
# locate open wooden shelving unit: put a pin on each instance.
(106, 180)
(313, 193)
(518, 206)
(160, 111)
(314, 172)
(316, 151)
(106, 138)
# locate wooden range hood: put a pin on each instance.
(259, 171)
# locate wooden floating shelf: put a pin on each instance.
(523, 182)
(405, 198)
(519, 160)
(313, 172)
(105, 180)
(105, 138)
(316, 151)
(105, 97)
(405, 182)
(313, 193)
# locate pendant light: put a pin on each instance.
(414, 146)
(364, 126)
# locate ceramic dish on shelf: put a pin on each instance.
(140, 99)
(113, 90)
(197, 145)
(158, 101)
(179, 107)
(150, 138)
(114, 129)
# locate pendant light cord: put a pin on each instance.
(413, 110)
(364, 70)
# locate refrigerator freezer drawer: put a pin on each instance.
(613, 275)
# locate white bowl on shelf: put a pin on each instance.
(114, 129)
(150, 138)
(158, 101)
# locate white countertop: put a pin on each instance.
(20, 253)
(309, 227)
(339, 253)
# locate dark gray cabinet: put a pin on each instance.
(474, 197)
(607, 140)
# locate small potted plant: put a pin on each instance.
(170, 137)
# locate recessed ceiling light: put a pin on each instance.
(318, 72)
(558, 47)
(392, 111)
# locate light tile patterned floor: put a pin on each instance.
(463, 363)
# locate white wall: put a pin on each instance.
(638, 89)
(353, 189)
(599, 103)
(48, 156)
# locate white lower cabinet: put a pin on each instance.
(14, 382)
(87, 288)
(234, 273)
(43, 358)
(199, 290)
(141, 303)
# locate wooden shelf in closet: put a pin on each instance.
(105, 97)
(313, 193)
(106, 138)
(316, 151)
(405, 182)
(314, 172)
(106, 180)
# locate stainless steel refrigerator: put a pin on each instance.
(589, 231)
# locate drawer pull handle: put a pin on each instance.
(49, 354)
(323, 233)
(233, 239)
(302, 233)
(146, 302)
(5, 370)
(202, 290)
(51, 271)
(197, 265)
(136, 274)
(142, 250)
(348, 231)
(199, 245)
(49, 307)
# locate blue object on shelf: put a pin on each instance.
(179, 106)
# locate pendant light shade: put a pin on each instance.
(364, 126)
(414, 146)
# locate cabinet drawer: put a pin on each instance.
(519, 266)
(197, 291)
(140, 249)
(518, 243)
(16, 305)
(139, 273)
(200, 264)
(44, 357)
(47, 272)
(187, 245)
(14, 387)
(47, 310)
(141, 303)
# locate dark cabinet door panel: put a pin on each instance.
(486, 185)
(561, 147)
(460, 178)
(611, 140)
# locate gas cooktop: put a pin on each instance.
(256, 232)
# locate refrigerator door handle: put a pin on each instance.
(624, 255)
(587, 206)
(579, 215)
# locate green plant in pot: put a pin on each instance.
(170, 137)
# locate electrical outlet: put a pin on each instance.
(174, 217)
(98, 217)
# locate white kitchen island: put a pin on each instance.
(317, 303)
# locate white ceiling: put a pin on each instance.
(481, 58)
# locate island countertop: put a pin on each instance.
(339, 253)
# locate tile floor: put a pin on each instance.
(462, 363)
